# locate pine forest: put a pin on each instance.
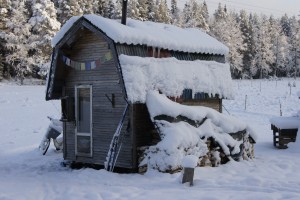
(261, 46)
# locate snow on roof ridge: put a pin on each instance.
(172, 76)
(148, 33)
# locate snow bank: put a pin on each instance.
(25, 174)
(298, 94)
(151, 34)
(294, 147)
(181, 139)
(172, 76)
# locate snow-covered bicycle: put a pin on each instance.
(53, 131)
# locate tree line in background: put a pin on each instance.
(260, 46)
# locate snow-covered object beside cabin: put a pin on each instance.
(151, 34)
(286, 122)
(190, 161)
(181, 139)
(159, 104)
(56, 124)
(172, 76)
(178, 140)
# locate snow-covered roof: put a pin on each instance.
(286, 122)
(172, 76)
(151, 34)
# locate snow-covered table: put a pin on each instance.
(284, 130)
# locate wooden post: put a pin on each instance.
(188, 175)
(260, 86)
(280, 108)
(246, 102)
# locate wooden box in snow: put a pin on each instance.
(284, 130)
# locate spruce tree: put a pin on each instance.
(285, 24)
(233, 39)
(44, 26)
(4, 17)
(110, 9)
(279, 46)
(1, 66)
(220, 13)
(248, 51)
(89, 7)
(175, 13)
(264, 57)
(205, 12)
(194, 15)
(152, 10)
(16, 38)
(166, 18)
(118, 9)
(67, 9)
(294, 40)
(143, 9)
(102, 5)
(133, 9)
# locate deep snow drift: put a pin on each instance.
(26, 174)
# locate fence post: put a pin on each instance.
(188, 175)
(189, 162)
(280, 111)
(246, 102)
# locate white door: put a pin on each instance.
(83, 113)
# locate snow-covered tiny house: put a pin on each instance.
(102, 70)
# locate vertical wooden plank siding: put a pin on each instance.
(105, 82)
(213, 103)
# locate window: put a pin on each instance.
(83, 113)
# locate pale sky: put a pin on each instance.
(268, 7)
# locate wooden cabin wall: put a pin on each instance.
(105, 81)
(144, 51)
(215, 104)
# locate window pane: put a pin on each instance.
(84, 110)
(84, 144)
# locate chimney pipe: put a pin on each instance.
(124, 12)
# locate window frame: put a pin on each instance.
(90, 134)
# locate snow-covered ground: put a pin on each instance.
(26, 174)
